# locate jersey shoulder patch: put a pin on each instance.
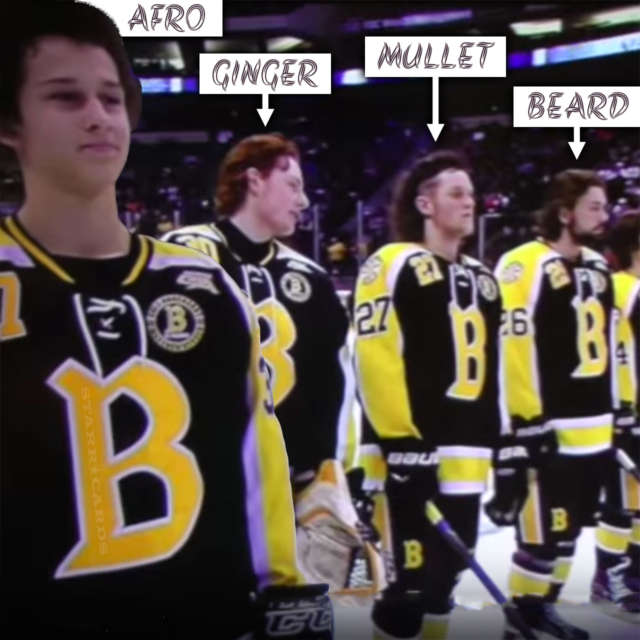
(523, 261)
(387, 263)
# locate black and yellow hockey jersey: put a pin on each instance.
(427, 357)
(557, 334)
(303, 330)
(143, 470)
(626, 289)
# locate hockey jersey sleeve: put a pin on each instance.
(627, 347)
(388, 388)
(268, 502)
(191, 238)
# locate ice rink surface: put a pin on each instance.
(477, 617)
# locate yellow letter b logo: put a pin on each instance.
(106, 543)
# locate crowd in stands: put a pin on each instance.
(169, 184)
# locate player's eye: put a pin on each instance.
(112, 99)
(66, 96)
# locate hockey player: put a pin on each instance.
(616, 585)
(143, 474)
(427, 320)
(557, 296)
(260, 197)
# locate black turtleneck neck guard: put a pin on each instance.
(243, 247)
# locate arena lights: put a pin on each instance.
(284, 43)
(409, 20)
(350, 77)
(586, 50)
(537, 28)
(543, 56)
(610, 18)
(169, 85)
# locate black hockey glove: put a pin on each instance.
(540, 442)
(294, 613)
(510, 461)
(626, 433)
(412, 470)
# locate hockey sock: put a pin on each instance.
(561, 568)
(529, 576)
(435, 626)
(613, 535)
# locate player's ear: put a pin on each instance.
(254, 179)
(424, 205)
(564, 215)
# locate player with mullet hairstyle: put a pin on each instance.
(616, 585)
(259, 199)
(427, 319)
(144, 479)
(557, 323)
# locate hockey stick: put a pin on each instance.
(627, 464)
(510, 611)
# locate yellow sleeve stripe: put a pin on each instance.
(269, 503)
(583, 435)
(380, 366)
(463, 470)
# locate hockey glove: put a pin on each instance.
(510, 461)
(412, 470)
(294, 613)
(540, 442)
(626, 433)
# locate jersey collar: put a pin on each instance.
(139, 253)
(243, 248)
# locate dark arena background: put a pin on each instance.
(356, 141)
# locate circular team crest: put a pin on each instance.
(295, 286)
(370, 270)
(175, 322)
(487, 286)
(511, 272)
